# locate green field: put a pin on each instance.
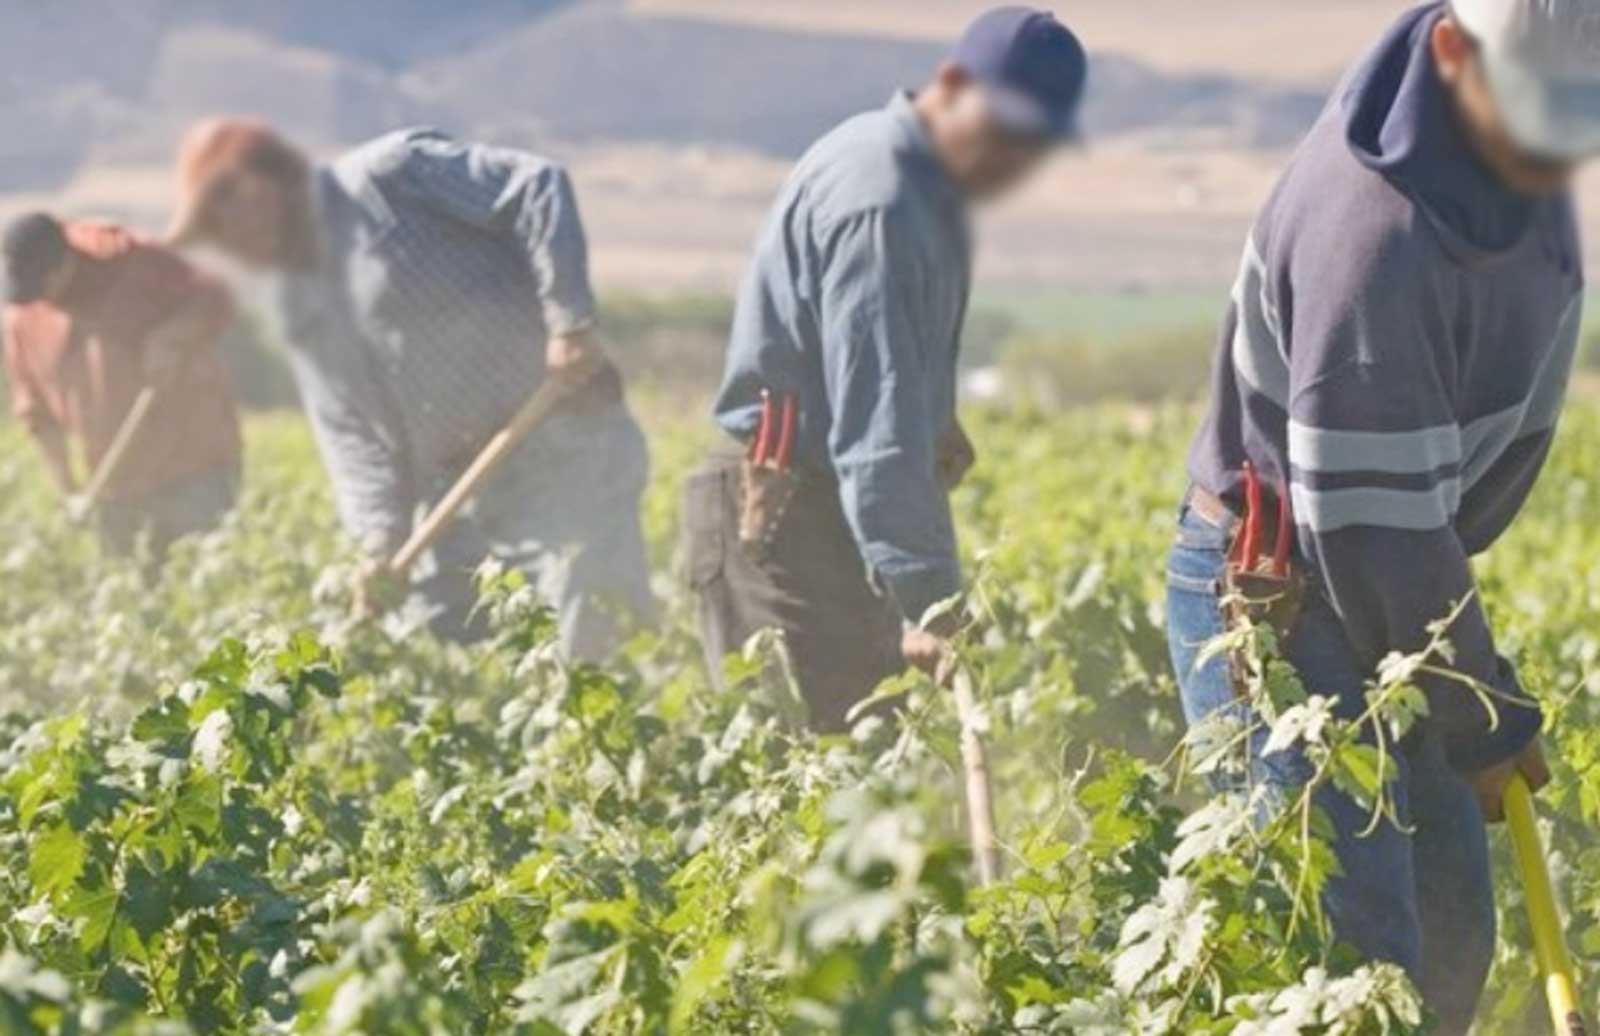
(1111, 315)
(1105, 315)
(1056, 348)
(223, 807)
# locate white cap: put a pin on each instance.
(1543, 62)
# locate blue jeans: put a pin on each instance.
(1419, 894)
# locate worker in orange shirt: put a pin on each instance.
(95, 315)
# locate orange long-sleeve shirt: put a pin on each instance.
(77, 365)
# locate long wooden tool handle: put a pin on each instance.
(111, 460)
(544, 402)
(1550, 947)
(980, 800)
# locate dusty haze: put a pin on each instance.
(680, 117)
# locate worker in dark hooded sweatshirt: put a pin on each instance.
(825, 514)
(1396, 356)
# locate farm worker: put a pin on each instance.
(427, 287)
(1396, 354)
(94, 316)
(845, 345)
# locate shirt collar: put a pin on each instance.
(917, 142)
(1400, 122)
(324, 190)
(903, 108)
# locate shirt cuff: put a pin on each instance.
(562, 319)
(916, 588)
(1520, 721)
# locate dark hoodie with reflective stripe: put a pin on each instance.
(1398, 349)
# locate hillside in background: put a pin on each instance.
(586, 71)
(679, 117)
(1277, 41)
(594, 71)
(84, 80)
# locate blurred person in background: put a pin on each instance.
(825, 515)
(1395, 359)
(94, 316)
(428, 286)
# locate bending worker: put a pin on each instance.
(826, 516)
(428, 287)
(1396, 358)
(96, 316)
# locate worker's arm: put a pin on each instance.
(529, 201)
(1377, 465)
(883, 440)
(957, 455)
(57, 457)
(358, 435)
(28, 410)
(366, 464)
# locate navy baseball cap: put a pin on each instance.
(33, 245)
(1033, 68)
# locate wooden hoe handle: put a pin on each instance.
(546, 400)
(975, 763)
(112, 459)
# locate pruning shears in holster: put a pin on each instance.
(768, 481)
(1261, 585)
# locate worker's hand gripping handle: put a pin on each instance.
(767, 480)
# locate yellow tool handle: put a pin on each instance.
(1555, 963)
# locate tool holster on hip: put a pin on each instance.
(767, 481)
(1263, 598)
(1260, 587)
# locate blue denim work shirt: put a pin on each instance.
(443, 269)
(855, 303)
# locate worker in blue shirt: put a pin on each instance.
(825, 514)
(428, 286)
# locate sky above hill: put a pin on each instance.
(1296, 41)
(680, 118)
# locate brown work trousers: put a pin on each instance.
(843, 636)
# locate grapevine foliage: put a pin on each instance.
(224, 810)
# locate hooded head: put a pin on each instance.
(1419, 110)
(242, 188)
(1539, 61)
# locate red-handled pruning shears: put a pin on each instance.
(773, 445)
(1248, 547)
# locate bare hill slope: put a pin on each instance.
(541, 69)
(1299, 42)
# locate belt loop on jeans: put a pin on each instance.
(1210, 507)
